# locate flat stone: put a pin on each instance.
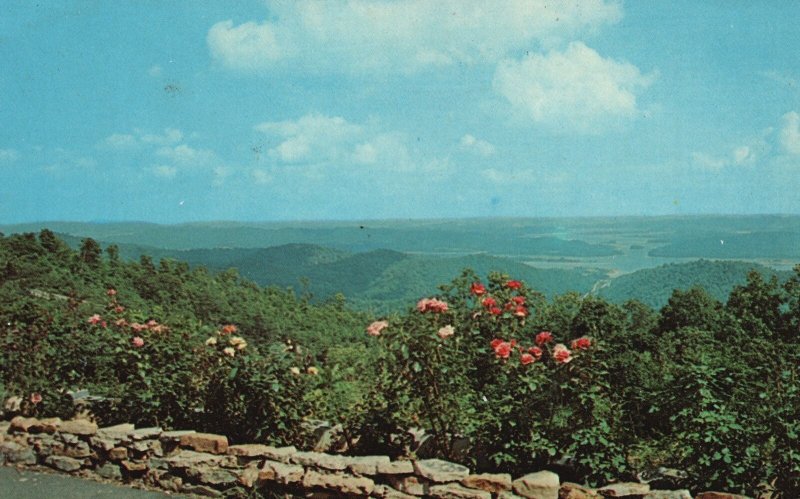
(117, 454)
(507, 494)
(386, 492)
(367, 465)
(14, 452)
(282, 454)
(409, 484)
(145, 433)
(20, 424)
(539, 485)
(63, 463)
(439, 471)
(157, 463)
(46, 425)
(205, 442)
(571, 490)
(211, 476)
(320, 460)
(109, 471)
(456, 491)
(338, 482)
(200, 490)
(123, 429)
(147, 447)
(69, 438)
(719, 495)
(282, 473)
(396, 468)
(103, 444)
(187, 459)
(78, 450)
(175, 435)
(81, 427)
(489, 482)
(4, 427)
(249, 450)
(133, 466)
(624, 489)
(668, 494)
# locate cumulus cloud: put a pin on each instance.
(709, 162)
(790, 133)
(470, 143)
(165, 171)
(139, 137)
(575, 88)
(401, 36)
(8, 155)
(185, 155)
(320, 139)
(170, 136)
(261, 176)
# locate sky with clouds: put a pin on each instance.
(365, 109)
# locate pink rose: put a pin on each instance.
(561, 354)
(137, 342)
(446, 332)
(376, 327)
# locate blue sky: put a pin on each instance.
(361, 109)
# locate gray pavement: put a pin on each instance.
(26, 484)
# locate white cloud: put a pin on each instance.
(513, 177)
(185, 155)
(311, 138)
(120, 141)
(8, 155)
(170, 136)
(165, 171)
(404, 35)
(743, 155)
(155, 71)
(261, 176)
(470, 143)
(576, 88)
(790, 133)
(709, 162)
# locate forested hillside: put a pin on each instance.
(602, 391)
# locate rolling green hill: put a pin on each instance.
(654, 286)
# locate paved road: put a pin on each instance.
(24, 484)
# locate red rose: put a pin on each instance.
(544, 337)
(489, 302)
(503, 350)
(536, 352)
(495, 311)
(519, 300)
(526, 359)
(477, 289)
(513, 284)
(521, 311)
(581, 343)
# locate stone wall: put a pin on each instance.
(204, 464)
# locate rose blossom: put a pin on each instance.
(312, 370)
(229, 351)
(36, 398)
(495, 342)
(513, 284)
(211, 341)
(519, 300)
(526, 359)
(536, 352)
(561, 354)
(495, 311)
(228, 329)
(503, 350)
(295, 371)
(431, 305)
(544, 337)
(376, 327)
(111, 292)
(95, 319)
(137, 342)
(477, 289)
(489, 302)
(446, 332)
(521, 311)
(581, 343)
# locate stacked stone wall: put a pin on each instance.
(204, 464)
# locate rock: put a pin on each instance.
(63, 463)
(456, 491)
(344, 484)
(103, 443)
(718, 495)
(148, 447)
(187, 459)
(175, 435)
(78, 450)
(367, 465)
(248, 477)
(46, 425)
(409, 484)
(20, 424)
(205, 442)
(386, 492)
(506, 494)
(133, 466)
(282, 454)
(624, 489)
(69, 438)
(46, 445)
(320, 460)
(285, 474)
(539, 485)
(665, 478)
(81, 427)
(145, 433)
(440, 471)
(249, 450)
(166, 480)
(120, 429)
(117, 454)
(668, 494)
(200, 490)
(396, 468)
(329, 439)
(13, 452)
(109, 471)
(211, 476)
(157, 463)
(489, 482)
(570, 490)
